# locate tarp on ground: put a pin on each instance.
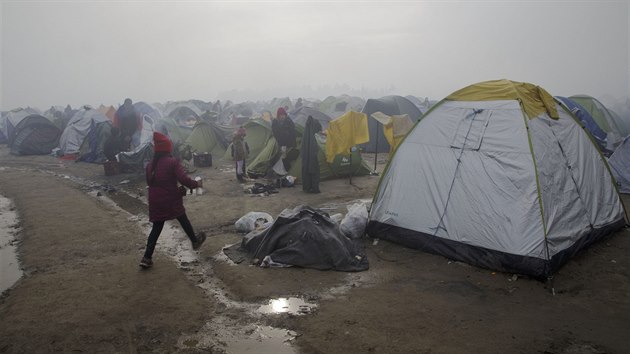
(303, 237)
(390, 105)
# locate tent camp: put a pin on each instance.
(389, 105)
(599, 135)
(607, 120)
(83, 122)
(500, 176)
(29, 133)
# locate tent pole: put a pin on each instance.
(376, 149)
(350, 165)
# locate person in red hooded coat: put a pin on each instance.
(165, 197)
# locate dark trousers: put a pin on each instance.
(156, 230)
(310, 182)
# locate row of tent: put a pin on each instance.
(499, 174)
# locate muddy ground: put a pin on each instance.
(81, 235)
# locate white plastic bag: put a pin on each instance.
(354, 223)
(252, 221)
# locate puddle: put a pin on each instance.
(10, 270)
(290, 305)
(248, 339)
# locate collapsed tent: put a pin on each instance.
(30, 134)
(389, 105)
(303, 237)
(600, 136)
(500, 176)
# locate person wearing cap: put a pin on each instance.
(240, 151)
(165, 197)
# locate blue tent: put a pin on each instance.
(600, 136)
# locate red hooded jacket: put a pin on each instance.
(165, 200)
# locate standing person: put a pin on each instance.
(128, 121)
(165, 197)
(283, 130)
(240, 151)
(310, 150)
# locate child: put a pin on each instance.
(240, 150)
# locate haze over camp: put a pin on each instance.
(314, 177)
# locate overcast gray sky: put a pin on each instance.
(99, 52)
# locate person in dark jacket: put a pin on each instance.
(310, 150)
(283, 130)
(165, 197)
(128, 120)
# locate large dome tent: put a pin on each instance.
(498, 175)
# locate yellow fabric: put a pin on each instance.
(345, 132)
(534, 99)
(394, 128)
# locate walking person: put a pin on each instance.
(165, 197)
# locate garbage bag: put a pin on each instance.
(252, 221)
(354, 223)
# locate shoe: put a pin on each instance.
(146, 263)
(201, 238)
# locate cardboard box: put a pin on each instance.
(202, 160)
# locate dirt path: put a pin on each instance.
(83, 291)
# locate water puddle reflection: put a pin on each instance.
(10, 270)
(291, 305)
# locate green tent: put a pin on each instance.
(210, 137)
(342, 166)
(258, 133)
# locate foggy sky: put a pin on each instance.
(99, 52)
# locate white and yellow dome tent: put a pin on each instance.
(500, 176)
